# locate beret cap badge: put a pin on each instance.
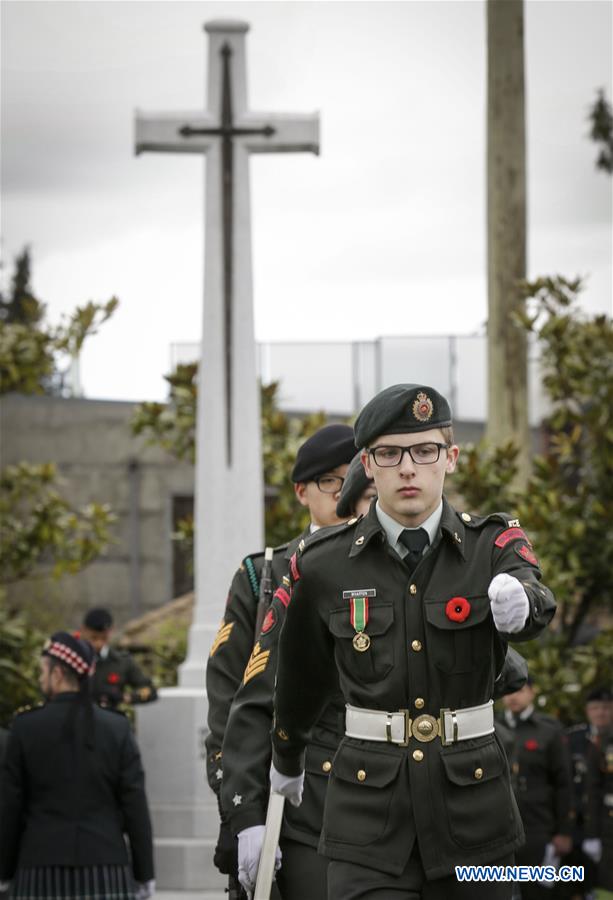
(423, 407)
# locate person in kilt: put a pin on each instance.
(72, 784)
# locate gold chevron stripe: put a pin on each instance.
(222, 636)
(262, 662)
(251, 673)
(257, 663)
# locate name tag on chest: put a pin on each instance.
(365, 592)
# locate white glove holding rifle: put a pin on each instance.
(249, 850)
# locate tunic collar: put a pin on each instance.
(394, 529)
(449, 524)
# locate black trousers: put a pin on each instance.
(303, 872)
(349, 881)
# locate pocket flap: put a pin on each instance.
(318, 759)
(436, 612)
(473, 765)
(380, 620)
(366, 767)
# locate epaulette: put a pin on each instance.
(470, 520)
(324, 534)
(28, 708)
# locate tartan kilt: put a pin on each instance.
(108, 882)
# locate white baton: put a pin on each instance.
(266, 868)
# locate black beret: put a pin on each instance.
(74, 652)
(328, 448)
(599, 693)
(355, 483)
(400, 409)
(98, 619)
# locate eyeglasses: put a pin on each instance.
(329, 484)
(421, 454)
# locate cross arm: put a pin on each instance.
(292, 133)
(160, 132)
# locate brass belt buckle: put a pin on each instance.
(447, 739)
(425, 728)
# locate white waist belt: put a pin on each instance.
(397, 727)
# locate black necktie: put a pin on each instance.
(414, 540)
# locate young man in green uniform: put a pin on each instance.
(410, 609)
(318, 473)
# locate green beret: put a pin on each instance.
(328, 448)
(355, 483)
(401, 409)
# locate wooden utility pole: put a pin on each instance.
(506, 227)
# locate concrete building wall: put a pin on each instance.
(99, 460)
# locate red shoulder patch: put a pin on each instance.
(283, 596)
(270, 620)
(511, 534)
(527, 553)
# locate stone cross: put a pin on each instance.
(229, 488)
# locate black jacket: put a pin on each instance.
(382, 797)
(65, 804)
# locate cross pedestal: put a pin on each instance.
(229, 488)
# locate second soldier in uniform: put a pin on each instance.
(321, 464)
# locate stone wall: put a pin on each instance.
(98, 459)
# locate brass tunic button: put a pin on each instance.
(416, 645)
(413, 589)
(327, 766)
(466, 517)
(361, 775)
(418, 755)
(419, 702)
(478, 774)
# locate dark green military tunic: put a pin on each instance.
(246, 746)
(599, 818)
(455, 800)
(233, 645)
(117, 676)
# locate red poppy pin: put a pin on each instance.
(531, 744)
(113, 678)
(457, 609)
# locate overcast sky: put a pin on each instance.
(383, 233)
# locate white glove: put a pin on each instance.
(4, 886)
(250, 842)
(509, 603)
(592, 847)
(145, 889)
(290, 786)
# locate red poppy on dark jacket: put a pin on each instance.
(531, 744)
(113, 678)
(458, 609)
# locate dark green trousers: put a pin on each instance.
(303, 872)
